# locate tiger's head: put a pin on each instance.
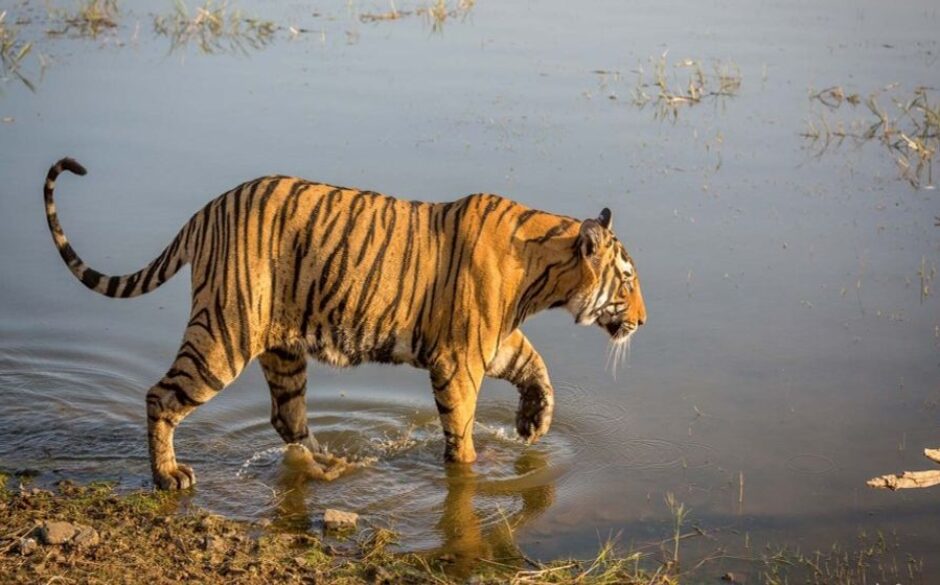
(609, 292)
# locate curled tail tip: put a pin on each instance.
(71, 165)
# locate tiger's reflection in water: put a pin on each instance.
(467, 531)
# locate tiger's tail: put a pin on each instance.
(173, 257)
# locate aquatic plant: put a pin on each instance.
(89, 19)
(723, 81)
(214, 28)
(910, 134)
(13, 51)
(437, 13)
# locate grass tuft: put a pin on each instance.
(214, 27)
(674, 91)
(909, 132)
(13, 51)
(89, 19)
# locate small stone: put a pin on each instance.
(263, 523)
(339, 520)
(210, 522)
(381, 576)
(27, 545)
(57, 532)
(85, 537)
(213, 544)
(728, 577)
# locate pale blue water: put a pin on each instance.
(787, 339)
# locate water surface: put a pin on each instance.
(788, 342)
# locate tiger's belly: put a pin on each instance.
(343, 347)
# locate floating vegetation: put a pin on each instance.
(90, 18)
(671, 94)
(13, 51)
(214, 28)
(392, 14)
(436, 13)
(926, 274)
(910, 133)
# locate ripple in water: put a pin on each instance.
(71, 413)
(810, 463)
(601, 427)
(400, 481)
(68, 414)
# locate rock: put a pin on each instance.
(339, 520)
(213, 544)
(57, 532)
(380, 576)
(85, 537)
(211, 522)
(27, 545)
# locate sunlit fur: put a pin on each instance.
(284, 268)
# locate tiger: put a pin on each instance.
(283, 269)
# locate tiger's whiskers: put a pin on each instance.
(618, 353)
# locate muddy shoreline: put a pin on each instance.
(92, 534)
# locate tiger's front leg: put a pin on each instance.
(455, 395)
(517, 362)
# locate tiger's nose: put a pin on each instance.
(641, 320)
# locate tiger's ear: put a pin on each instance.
(589, 240)
(605, 219)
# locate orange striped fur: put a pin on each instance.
(283, 269)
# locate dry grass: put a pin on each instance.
(13, 51)
(214, 27)
(674, 91)
(910, 131)
(436, 13)
(89, 18)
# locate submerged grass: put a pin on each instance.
(214, 27)
(910, 132)
(871, 560)
(673, 92)
(436, 13)
(88, 19)
(13, 51)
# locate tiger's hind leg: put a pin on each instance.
(202, 368)
(286, 373)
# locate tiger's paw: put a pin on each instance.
(179, 477)
(319, 465)
(534, 416)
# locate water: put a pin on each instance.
(788, 341)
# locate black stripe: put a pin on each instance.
(182, 397)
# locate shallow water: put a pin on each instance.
(788, 341)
